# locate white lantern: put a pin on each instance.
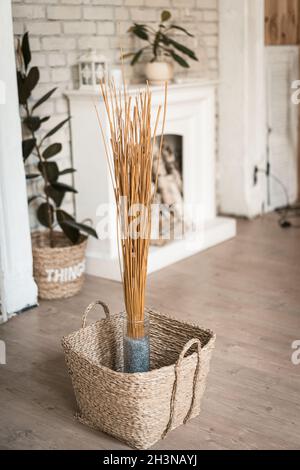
(92, 69)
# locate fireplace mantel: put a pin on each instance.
(186, 86)
(191, 114)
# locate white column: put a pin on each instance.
(18, 289)
(242, 135)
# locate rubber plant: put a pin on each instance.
(160, 43)
(49, 211)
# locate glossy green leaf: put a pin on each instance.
(180, 28)
(136, 57)
(67, 171)
(31, 176)
(127, 55)
(51, 170)
(56, 128)
(165, 16)
(52, 150)
(43, 99)
(25, 47)
(64, 219)
(32, 123)
(45, 214)
(140, 31)
(27, 147)
(64, 187)
(185, 50)
(33, 198)
(83, 228)
(23, 91)
(32, 78)
(179, 60)
(44, 119)
(55, 195)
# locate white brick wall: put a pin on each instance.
(64, 13)
(98, 13)
(61, 30)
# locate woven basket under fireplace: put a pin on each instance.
(138, 409)
(65, 258)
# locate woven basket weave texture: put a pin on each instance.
(64, 259)
(138, 409)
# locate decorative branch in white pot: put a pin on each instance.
(163, 48)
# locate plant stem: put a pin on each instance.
(44, 174)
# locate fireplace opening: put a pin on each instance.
(167, 222)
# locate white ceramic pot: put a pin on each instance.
(159, 72)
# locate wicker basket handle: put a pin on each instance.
(90, 307)
(184, 351)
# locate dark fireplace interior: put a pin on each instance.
(169, 184)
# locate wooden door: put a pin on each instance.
(282, 22)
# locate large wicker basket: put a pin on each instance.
(138, 409)
(59, 271)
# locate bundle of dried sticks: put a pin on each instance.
(130, 158)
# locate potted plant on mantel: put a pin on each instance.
(58, 255)
(162, 48)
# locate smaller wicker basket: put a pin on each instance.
(138, 409)
(59, 271)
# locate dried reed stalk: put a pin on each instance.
(130, 166)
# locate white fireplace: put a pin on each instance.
(190, 115)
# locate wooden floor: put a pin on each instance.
(247, 290)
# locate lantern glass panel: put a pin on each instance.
(99, 71)
(86, 74)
